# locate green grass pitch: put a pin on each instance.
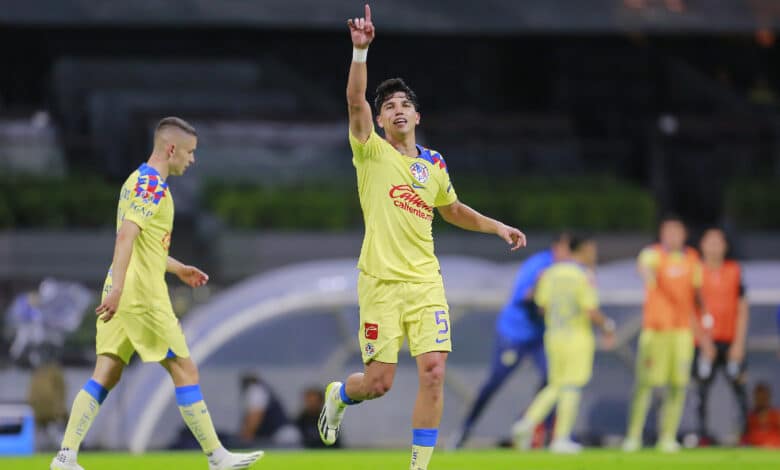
(721, 459)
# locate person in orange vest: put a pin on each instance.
(725, 318)
(672, 274)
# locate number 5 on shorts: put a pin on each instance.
(441, 319)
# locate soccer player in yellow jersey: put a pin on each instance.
(567, 297)
(135, 314)
(400, 288)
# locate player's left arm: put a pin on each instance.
(737, 349)
(606, 325)
(189, 275)
(465, 217)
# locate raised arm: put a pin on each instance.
(465, 217)
(123, 250)
(360, 119)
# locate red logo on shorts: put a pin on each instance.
(372, 330)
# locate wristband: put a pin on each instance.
(359, 55)
(609, 325)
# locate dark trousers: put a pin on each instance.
(704, 382)
(507, 356)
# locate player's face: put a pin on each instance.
(397, 116)
(561, 249)
(713, 244)
(673, 235)
(182, 154)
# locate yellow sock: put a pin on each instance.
(83, 412)
(421, 457)
(672, 413)
(639, 407)
(568, 406)
(542, 405)
(423, 443)
(196, 416)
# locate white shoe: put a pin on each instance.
(225, 460)
(565, 446)
(65, 460)
(631, 445)
(670, 446)
(522, 434)
(332, 414)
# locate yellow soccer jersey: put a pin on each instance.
(397, 195)
(146, 200)
(566, 293)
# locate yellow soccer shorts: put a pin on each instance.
(393, 310)
(569, 358)
(152, 334)
(664, 357)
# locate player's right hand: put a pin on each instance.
(608, 340)
(106, 310)
(361, 30)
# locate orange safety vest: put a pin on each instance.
(671, 302)
(721, 293)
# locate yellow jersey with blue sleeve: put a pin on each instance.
(397, 195)
(567, 294)
(144, 321)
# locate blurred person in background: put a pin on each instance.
(135, 313)
(519, 332)
(400, 288)
(725, 319)
(672, 275)
(568, 299)
(39, 321)
(763, 422)
(307, 420)
(46, 396)
(264, 418)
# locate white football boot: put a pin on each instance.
(65, 460)
(224, 460)
(565, 446)
(332, 414)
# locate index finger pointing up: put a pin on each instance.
(368, 13)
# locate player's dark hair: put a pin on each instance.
(577, 240)
(391, 86)
(562, 236)
(671, 217)
(175, 122)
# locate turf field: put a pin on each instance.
(399, 460)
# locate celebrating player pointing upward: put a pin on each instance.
(400, 288)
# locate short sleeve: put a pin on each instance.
(446, 194)
(698, 275)
(589, 297)
(361, 151)
(542, 294)
(649, 258)
(145, 199)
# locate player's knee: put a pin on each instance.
(432, 375)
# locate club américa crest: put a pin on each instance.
(420, 172)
